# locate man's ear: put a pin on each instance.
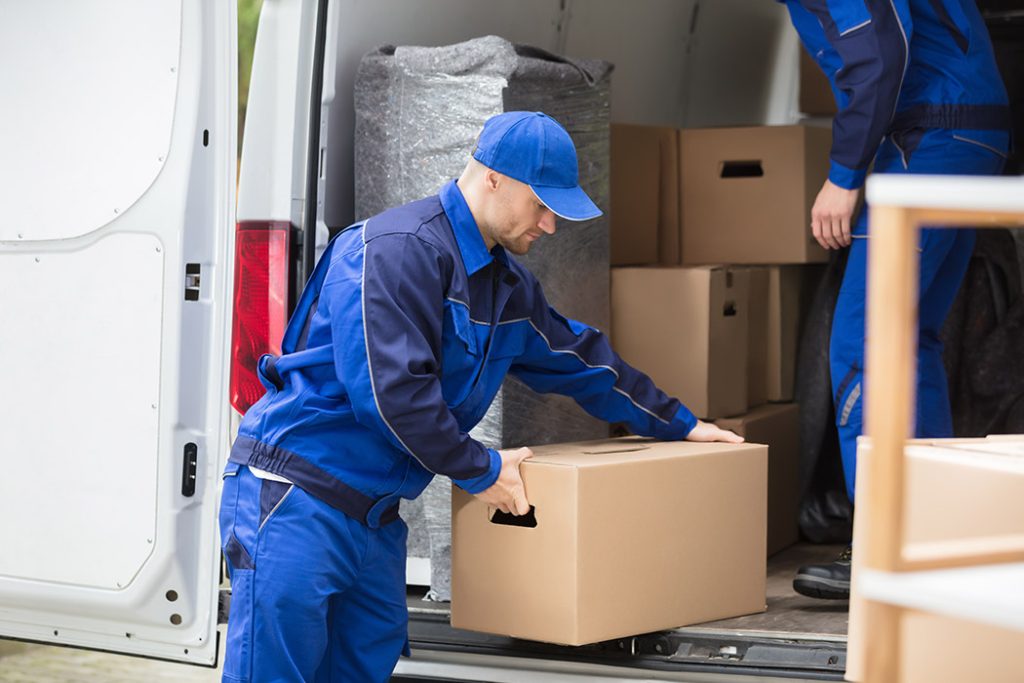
(492, 179)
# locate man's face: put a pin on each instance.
(519, 218)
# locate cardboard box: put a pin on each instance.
(938, 649)
(775, 311)
(778, 426)
(816, 98)
(785, 290)
(631, 536)
(957, 490)
(747, 193)
(687, 329)
(757, 337)
(644, 195)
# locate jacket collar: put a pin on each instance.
(467, 234)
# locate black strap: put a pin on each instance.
(970, 116)
(270, 371)
(312, 479)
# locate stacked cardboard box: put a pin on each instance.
(713, 312)
(644, 195)
(816, 98)
(779, 297)
(778, 426)
(626, 536)
(747, 193)
(687, 328)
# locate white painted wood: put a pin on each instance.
(991, 594)
(967, 193)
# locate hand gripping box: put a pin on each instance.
(627, 536)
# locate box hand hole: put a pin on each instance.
(529, 520)
(741, 169)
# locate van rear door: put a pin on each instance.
(117, 181)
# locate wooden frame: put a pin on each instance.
(899, 207)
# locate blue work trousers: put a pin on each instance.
(945, 254)
(316, 595)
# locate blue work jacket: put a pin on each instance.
(398, 345)
(897, 66)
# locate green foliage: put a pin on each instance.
(248, 18)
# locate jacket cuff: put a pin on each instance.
(687, 419)
(846, 178)
(680, 427)
(486, 480)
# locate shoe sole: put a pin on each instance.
(822, 589)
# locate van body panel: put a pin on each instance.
(271, 183)
(100, 141)
(114, 326)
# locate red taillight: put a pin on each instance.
(261, 304)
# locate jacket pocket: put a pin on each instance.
(458, 315)
(996, 142)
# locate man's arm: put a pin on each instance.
(567, 357)
(870, 42)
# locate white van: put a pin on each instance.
(134, 302)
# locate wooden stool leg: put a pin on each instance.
(883, 651)
(890, 372)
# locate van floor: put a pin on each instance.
(789, 615)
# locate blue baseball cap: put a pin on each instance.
(534, 149)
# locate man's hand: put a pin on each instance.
(705, 431)
(832, 215)
(507, 493)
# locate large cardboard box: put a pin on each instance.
(644, 195)
(631, 536)
(687, 329)
(778, 426)
(962, 489)
(938, 649)
(957, 491)
(816, 98)
(747, 193)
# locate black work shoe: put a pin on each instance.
(826, 581)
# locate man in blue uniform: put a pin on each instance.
(917, 91)
(400, 341)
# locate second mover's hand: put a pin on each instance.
(508, 493)
(832, 215)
